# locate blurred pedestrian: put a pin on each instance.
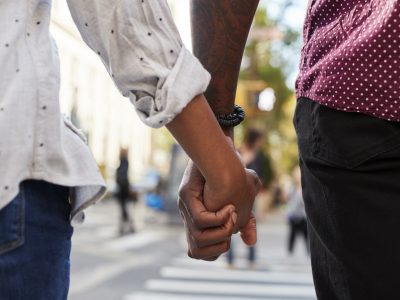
(296, 213)
(124, 194)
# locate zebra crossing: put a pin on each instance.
(151, 265)
(281, 278)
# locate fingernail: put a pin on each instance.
(234, 217)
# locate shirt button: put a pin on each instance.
(41, 145)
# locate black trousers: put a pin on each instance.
(350, 166)
(297, 227)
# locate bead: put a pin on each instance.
(232, 119)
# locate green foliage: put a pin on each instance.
(267, 62)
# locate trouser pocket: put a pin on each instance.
(348, 139)
(12, 224)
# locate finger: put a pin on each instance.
(193, 250)
(187, 225)
(197, 238)
(189, 239)
(210, 252)
(213, 236)
(249, 232)
(202, 218)
(214, 258)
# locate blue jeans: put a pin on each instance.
(251, 255)
(35, 243)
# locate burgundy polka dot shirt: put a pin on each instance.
(350, 59)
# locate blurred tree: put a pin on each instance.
(265, 60)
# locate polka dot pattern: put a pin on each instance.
(350, 59)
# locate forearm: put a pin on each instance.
(198, 132)
(220, 30)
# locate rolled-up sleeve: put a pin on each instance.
(139, 44)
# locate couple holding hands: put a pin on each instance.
(347, 122)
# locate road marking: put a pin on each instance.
(244, 289)
(270, 266)
(158, 296)
(237, 275)
(135, 241)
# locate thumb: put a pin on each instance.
(249, 232)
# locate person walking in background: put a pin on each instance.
(253, 156)
(126, 225)
(296, 213)
(254, 159)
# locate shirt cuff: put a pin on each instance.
(187, 79)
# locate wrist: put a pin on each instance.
(229, 132)
(228, 178)
(226, 189)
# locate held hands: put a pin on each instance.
(219, 205)
(213, 211)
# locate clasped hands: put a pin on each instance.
(213, 211)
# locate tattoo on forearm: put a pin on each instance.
(220, 29)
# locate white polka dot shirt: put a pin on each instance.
(350, 60)
(143, 53)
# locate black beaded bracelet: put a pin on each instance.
(233, 119)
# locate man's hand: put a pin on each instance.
(241, 193)
(209, 231)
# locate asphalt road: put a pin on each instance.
(152, 265)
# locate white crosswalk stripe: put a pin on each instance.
(276, 265)
(268, 290)
(237, 276)
(159, 296)
(186, 279)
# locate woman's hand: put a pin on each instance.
(208, 233)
